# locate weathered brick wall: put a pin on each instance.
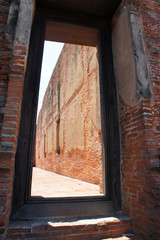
(14, 42)
(5, 58)
(140, 120)
(73, 99)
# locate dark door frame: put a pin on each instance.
(23, 206)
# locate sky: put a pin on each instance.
(51, 53)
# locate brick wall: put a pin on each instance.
(72, 104)
(5, 58)
(14, 44)
(140, 130)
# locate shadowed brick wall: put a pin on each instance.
(68, 138)
(5, 157)
(15, 25)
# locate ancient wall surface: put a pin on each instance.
(136, 58)
(68, 138)
(15, 26)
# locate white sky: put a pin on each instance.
(51, 53)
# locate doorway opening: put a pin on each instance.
(25, 205)
(68, 147)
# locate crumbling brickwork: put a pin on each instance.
(140, 119)
(14, 44)
(68, 138)
(5, 58)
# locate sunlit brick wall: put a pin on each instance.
(70, 117)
